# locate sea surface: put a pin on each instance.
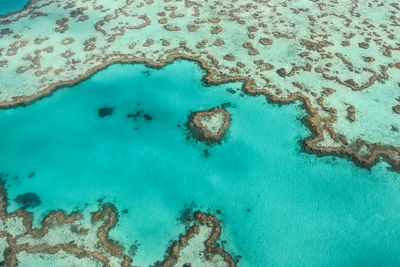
(279, 206)
(9, 6)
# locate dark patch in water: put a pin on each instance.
(226, 105)
(106, 111)
(236, 258)
(28, 200)
(31, 175)
(206, 153)
(248, 210)
(218, 211)
(230, 90)
(147, 117)
(186, 214)
(133, 249)
(146, 72)
(136, 115)
(125, 211)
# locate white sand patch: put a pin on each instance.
(13, 225)
(212, 122)
(193, 253)
(60, 259)
(3, 246)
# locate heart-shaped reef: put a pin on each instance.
(209, 126)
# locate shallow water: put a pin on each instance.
(9, 6)
(279, 206)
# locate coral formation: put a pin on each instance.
(210, 125)
(74, 241)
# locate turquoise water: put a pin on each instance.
(8, 6)
(279, 207)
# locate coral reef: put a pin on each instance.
(72, 240)
(210, 125)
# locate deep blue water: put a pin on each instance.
(303, 210)
(9, 6)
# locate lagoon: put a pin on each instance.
(278, 206)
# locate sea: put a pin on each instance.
(278, 206)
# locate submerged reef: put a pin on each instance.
(74, 241)
(340, 59)
(28, 200)
(209, 126)
(104, 112)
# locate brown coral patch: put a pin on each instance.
(229, 57)
(216, 30)
(363, 45)
(351, 112)
(204, 127)
(89, 44)
(211, 247)
(266, 41)
(396, 109)
(171, 28)
(148, 43)
(62, 25)
(193, 27)
(369, 59)
(67, 41)
(218, 42)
